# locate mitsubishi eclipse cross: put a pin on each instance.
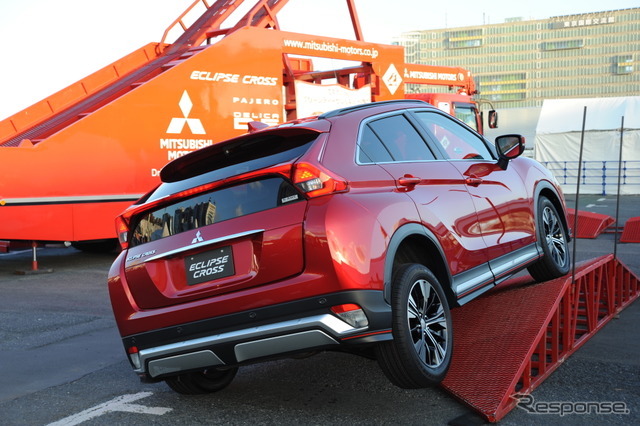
(356, 230)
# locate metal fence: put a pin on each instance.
(597, 177)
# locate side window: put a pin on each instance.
(457, 141)
(371, 149)
(400, 139)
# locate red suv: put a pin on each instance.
(356, 230)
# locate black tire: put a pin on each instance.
(202, 382)
(420, 353)
(552, 237)
(96, 246)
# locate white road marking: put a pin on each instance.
(14, 252)
(121, 403)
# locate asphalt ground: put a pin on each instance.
(60, 356)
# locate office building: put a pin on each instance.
(520, 63)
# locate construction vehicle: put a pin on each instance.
(76, 159)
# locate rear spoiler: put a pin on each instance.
(247, 147)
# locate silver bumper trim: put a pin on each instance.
(177, 357)
(282, 344)
(190, 361)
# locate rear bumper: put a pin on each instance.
(243, 337)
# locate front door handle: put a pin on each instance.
(473, 181)
(409, 180)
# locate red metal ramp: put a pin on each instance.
(590, 224)
(523, 331)
(631, 231)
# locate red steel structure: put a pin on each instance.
(96, 146)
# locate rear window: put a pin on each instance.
(214, 207)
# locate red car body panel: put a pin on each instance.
(278, 250)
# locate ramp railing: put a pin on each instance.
(597, 177)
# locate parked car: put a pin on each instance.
(356, 230)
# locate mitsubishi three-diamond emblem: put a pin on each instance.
(198, 238)
(392, 79)
(177, 123)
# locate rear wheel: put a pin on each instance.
(420, 352)
(553, 239)
(201, 382)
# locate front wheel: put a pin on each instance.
(202, 382)
(420, 352)
(553, 239)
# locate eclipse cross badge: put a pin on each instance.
(198, 238)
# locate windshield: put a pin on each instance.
(466, 114)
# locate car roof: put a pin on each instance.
(395, 104)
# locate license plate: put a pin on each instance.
(209, 266)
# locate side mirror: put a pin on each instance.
(493, 119)
(509, 147)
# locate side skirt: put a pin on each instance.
(472, 283)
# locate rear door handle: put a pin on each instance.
(409, 180)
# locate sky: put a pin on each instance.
(48, 45)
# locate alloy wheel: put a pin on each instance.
(554, 237)
(427, 324)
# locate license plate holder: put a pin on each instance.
(209, 266)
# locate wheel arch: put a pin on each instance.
(414, 243)
(547, 190)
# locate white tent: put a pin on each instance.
(558, 136)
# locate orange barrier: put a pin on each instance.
(631, 231)
(590, 225)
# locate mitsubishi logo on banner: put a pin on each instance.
(177, 123)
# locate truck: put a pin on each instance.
(73, 161)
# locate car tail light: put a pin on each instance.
(352, 314)
(122, 230)
(315, 182)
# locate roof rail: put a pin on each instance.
(352, 108)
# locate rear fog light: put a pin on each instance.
(352, 314)
(134, 356)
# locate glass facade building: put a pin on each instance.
(520, 63)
